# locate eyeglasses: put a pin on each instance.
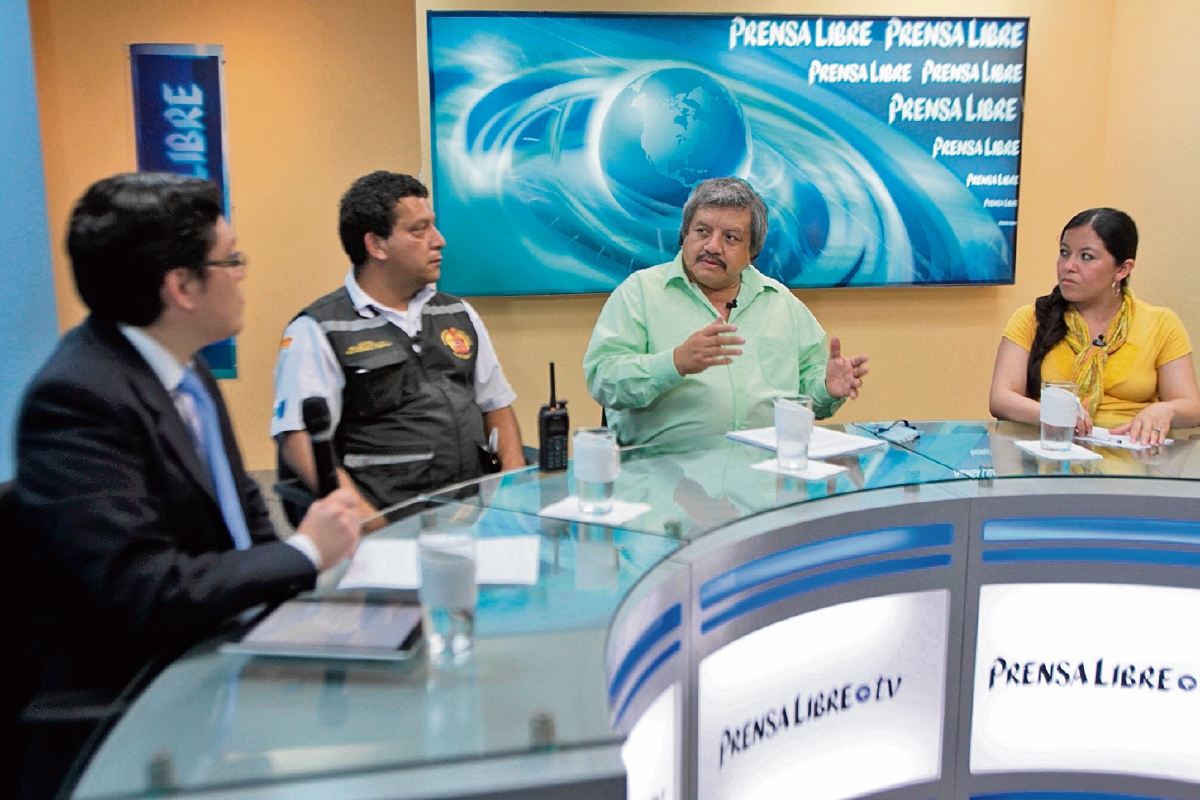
(234, 260)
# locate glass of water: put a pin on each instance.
(448, 594)
(597, 464)
(793, 431)
(1058, 413)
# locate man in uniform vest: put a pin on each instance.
(415, 392)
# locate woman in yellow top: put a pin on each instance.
(1131, 360)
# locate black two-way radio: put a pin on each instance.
(553, 427)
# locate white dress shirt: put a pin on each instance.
(169, 372)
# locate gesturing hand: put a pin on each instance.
(706, 348)
(843, 375)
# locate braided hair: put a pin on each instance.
(1119, 234)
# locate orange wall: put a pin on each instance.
(319, 92)
(1152, 149)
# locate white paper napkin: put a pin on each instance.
(817, 470)
(568, 508)
(1076, 453)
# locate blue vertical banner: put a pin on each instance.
(179, 122)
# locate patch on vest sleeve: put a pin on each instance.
(459, 343)
(285, 343)
(366, 347)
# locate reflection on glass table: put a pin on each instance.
(697, 486)
(987, 449)
(215, 719)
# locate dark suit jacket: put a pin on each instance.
(124, 539)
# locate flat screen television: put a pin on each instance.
(564, 145)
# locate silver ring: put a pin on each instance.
(1156, 429)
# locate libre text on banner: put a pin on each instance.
(179, 122)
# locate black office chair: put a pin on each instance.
(293, 493)
(68, 725)
(18, 685)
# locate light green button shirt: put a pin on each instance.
(630, 365)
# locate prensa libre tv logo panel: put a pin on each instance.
(805, 709)
(1075, 673)
(807, 701)
(1106, 681)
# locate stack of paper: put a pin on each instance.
(393, 563)
(1105, 437)
(825, 443)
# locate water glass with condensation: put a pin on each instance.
(448, 594)
(793, 431)
(1059, 410)
(597, 464)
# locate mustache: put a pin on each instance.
(710, 258)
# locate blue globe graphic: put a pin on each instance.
(667, 131)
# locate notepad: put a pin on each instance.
(393, 563)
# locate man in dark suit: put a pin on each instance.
(140, 528)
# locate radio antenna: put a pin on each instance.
(552, 393)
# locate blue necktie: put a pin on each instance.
(218, 462)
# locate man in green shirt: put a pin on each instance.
(704, 344)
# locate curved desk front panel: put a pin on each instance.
(983, 639)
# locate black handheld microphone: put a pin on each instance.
(318, 424)
(553, 426)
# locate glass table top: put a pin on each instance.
(226, 720)
(697, 486)
(988, 450)
(231, 720)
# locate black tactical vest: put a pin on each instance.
(409, 420)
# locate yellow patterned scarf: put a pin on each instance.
(1088, 369)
